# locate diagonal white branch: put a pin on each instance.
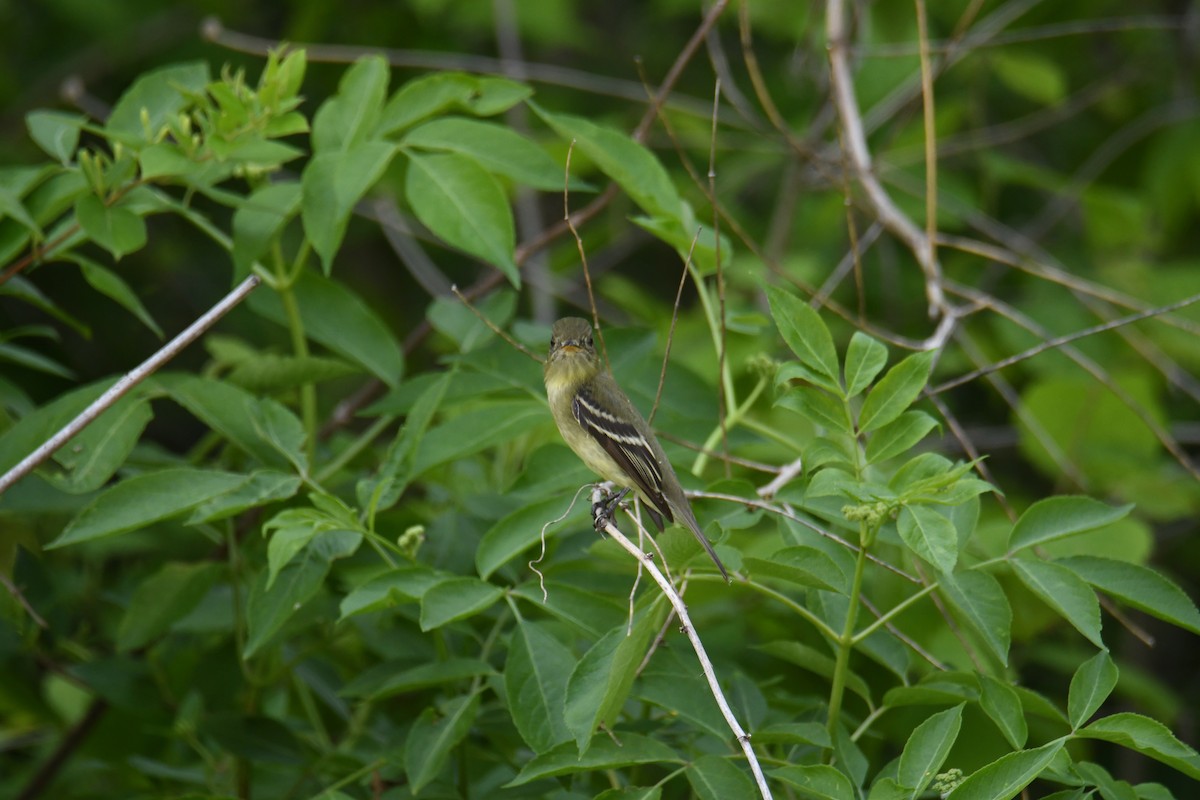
(854, 143)
(709, 673)
(127, 382)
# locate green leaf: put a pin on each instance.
(25, 291)
(927, 748)
(33, 360)
(432, 94)
(1091, 685)
(389, 678)
(93, 456)
(351, 117)
(1001, 702)
(818, 781)
(493, 95)
(118, 230)
(604, 753)
(331, 184)
(1056, 517)
(434, 734)
(587, 612)
(930, 535)
(817, 663)
(1145, 791)
(262, 427)
(1148, 737)
(833, 482)
(165, 597)
(807, 336)
(983, 606)
(267, 609)
(808, 733)
(865, 357)
(144, 108)
(1030, 75)
(143, 499)
(339, 319)
(717, 778)
(1064, 592)
(888, 789)
(899, 435)
(425, 96)
(1004, 778)
(1137, 586)
(261, 487)
(818, 406)
(407, 584)
(291, 530)
(255, 739)
(462, 325)
(630, 164)
(167, 160)
(112, 286)
(260, 218)
(272, 373)
(12, 207)
(465, 206)
(497, 148)
(383, 489)
(38, 425)
(535, 683)
(476, 430)
(55, 132)
(456, 599)
(521, 529)
(801, 565)
(895, 391)
(600, 682)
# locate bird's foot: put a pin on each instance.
(604, 505)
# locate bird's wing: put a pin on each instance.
(627, 446)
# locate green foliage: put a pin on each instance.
(332, 552)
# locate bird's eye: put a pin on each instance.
(589, 341)
(552, 342)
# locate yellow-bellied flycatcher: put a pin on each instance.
(604, 429)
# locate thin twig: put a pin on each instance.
(1092, 368)
(20, 598)
(128, 382)
(904, 637)
(722, 411)
(757, 466)
(52, 766)
(786, 511)
(931, 193)
(710, 675)
(213, 30)
(495, 328)
(842, 85)
(587, 275)
(662, 375)
(972, 452)
(1059, 341)
(785, 476)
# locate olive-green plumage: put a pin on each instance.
(605, 430)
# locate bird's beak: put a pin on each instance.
(569, 348)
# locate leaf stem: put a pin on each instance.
(308, 391)
(733, 419)
(846, 640)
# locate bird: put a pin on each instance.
(601, 425)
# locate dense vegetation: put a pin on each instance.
(930, 379)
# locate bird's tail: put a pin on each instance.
(685, 516)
